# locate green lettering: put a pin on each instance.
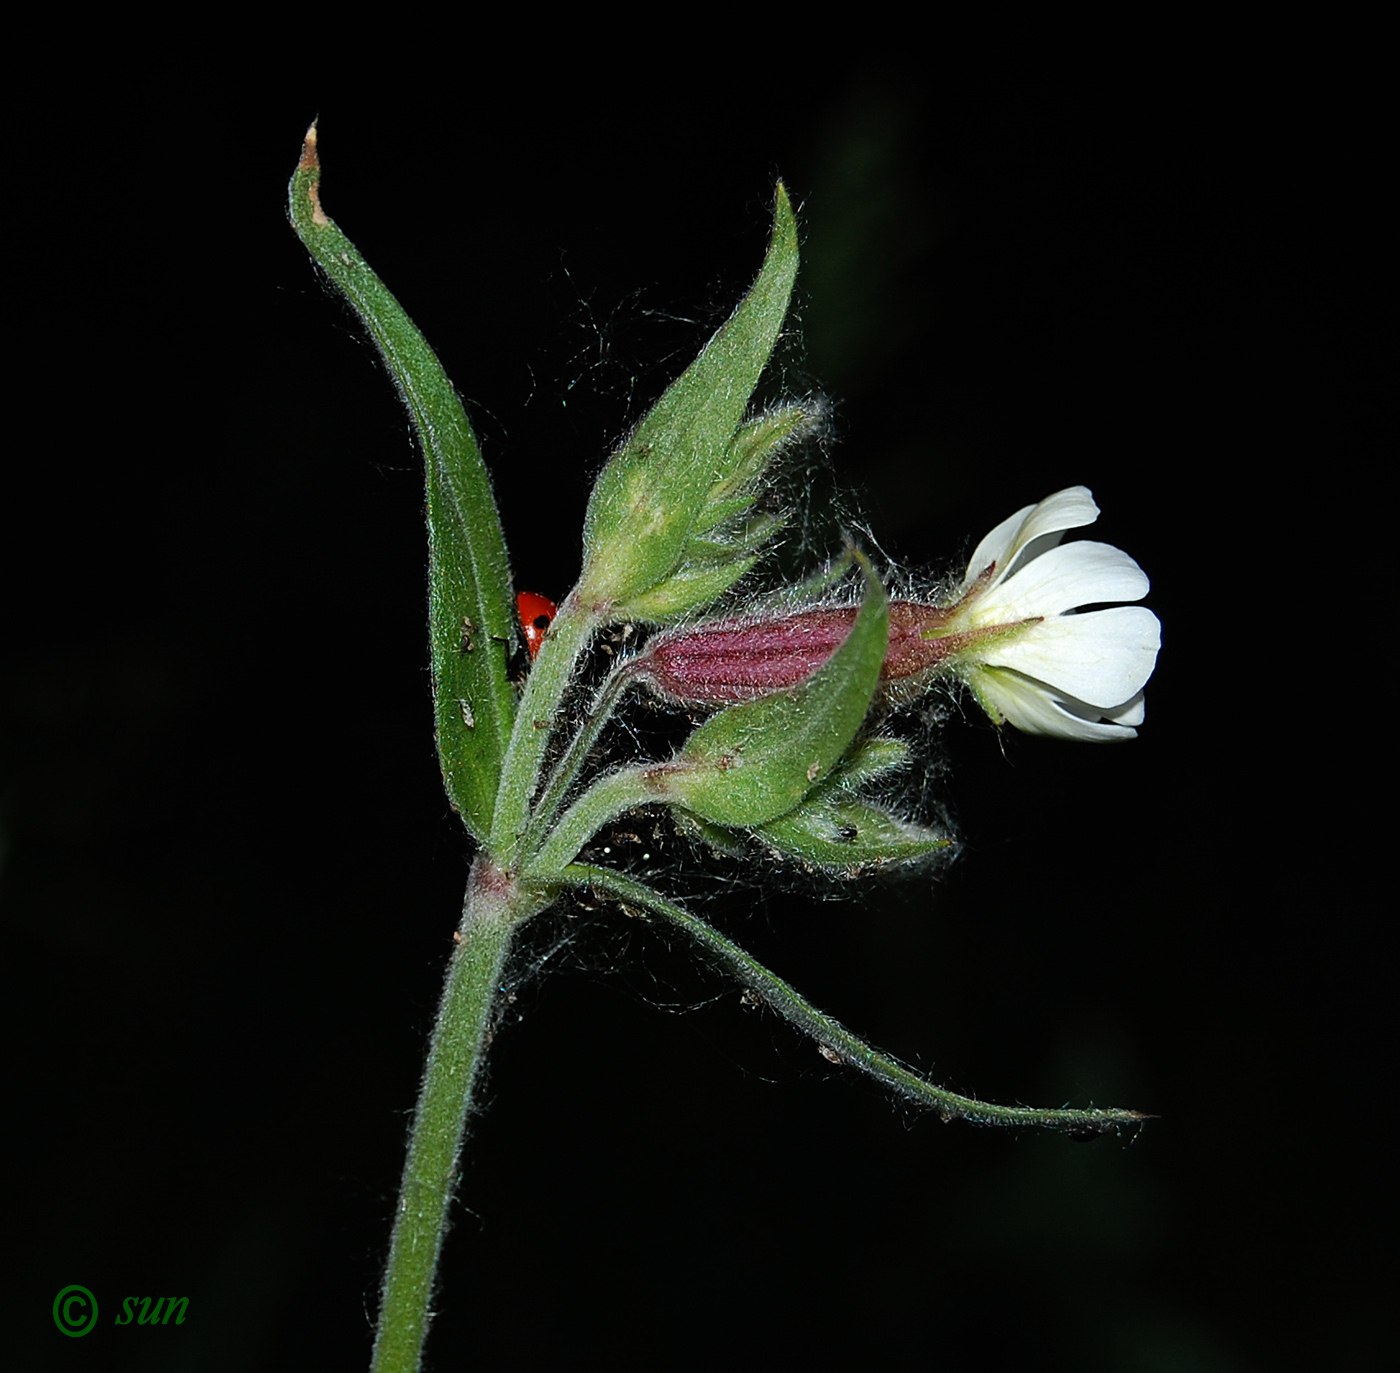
(169, 1310)
(126, 1307)
(150, 1319)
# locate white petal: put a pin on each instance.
(1132, 712)
(1033, 709)
(1103, 658)
(1068, 509)
(1071, 575)
(994, 548)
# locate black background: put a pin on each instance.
(230, 877)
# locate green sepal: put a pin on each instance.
(645, 504)
(754, 762)
(471, 619)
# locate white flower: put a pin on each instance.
(1055, 671)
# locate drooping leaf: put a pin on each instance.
(770, 990)
(468, 572)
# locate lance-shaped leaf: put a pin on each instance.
(756, 761)
(871, 759)
(695, 582)
(842, 832)
(709, 567)
(841, 1044)
(646, 504)
(752, 448)
(469, 598)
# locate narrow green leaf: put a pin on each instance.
(872, 758)
(756, 761)
(648, 497)
(691, 584)
(751, 537)
(834, 828)
(471, 620)
(707, 570)
(754, 445)
(730, 843)
(841, 1045)
(812, 589)
(841, 832)
(719, 512)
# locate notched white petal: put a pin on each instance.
(1034, 709)
(1072, 575)
(1040, 525)
(1051, 670)
(1132, 712)
(1104, 657)
(995, 548)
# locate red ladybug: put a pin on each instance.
(536, 615)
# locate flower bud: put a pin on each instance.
(761, 757)
(729, 661)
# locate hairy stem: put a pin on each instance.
(602, 803)
(832, 1035)
(536, 719)
(430, 1172)
(571, 764)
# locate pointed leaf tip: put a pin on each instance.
(468, 572)
(646, 503)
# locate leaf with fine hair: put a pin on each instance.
(470, 604)
(646, 503)
(844, 833)
(843, 1046)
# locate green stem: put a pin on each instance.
(535, 722)
(462, 1031)
(832, 1035)
(602, 803)
(571, 764)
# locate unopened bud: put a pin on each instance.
(730, 661)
